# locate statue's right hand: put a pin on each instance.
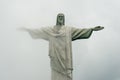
(22, 29)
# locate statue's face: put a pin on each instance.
(60, 19)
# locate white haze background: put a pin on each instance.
(23, 58)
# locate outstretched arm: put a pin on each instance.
(36, 33)
(84, 33)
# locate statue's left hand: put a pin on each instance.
(97, 28)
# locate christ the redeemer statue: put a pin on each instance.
(60, 51)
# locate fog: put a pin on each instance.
(23, 58)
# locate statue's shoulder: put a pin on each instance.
(47, 27)
(69, 27)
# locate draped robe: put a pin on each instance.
(60, 51)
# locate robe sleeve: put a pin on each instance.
(41, 33)
(78, 33)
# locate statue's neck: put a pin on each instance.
(58, 27)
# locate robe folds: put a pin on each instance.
(60, 51)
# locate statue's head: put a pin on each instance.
(60, 19)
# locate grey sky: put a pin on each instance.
(22, 58)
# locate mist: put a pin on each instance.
(24, 58)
